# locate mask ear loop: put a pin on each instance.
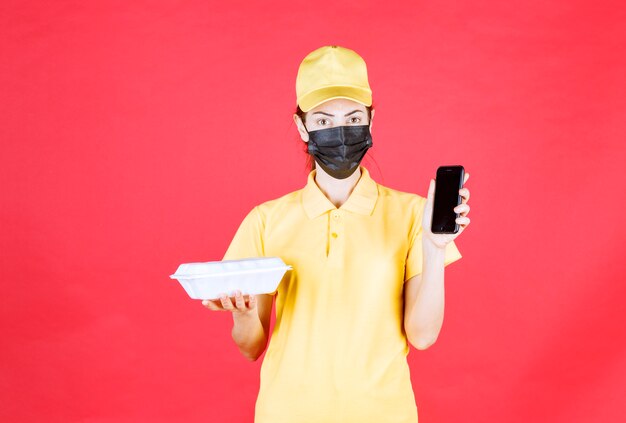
(307, 131)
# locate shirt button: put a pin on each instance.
(334, 234)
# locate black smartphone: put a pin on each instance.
(448, 182)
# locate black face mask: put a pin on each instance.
(339, 150)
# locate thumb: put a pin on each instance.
(431, 190)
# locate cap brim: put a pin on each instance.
(319, 96)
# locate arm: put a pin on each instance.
(251, 330)
(424, 292)
(424, 299)
(250, 324)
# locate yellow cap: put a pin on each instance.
(332, 72)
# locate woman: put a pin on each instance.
(367, 275)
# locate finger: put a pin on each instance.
(462, 208)
(217, 302)
(431, 189)
(218, 305)
(464, 193)
(239, 301)
(213, 305)
(252, 302)
(226, 303)
(463, 220)
(466, 177)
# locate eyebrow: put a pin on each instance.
(347, 114)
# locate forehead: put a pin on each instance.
(338, 106)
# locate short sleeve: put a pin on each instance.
(248, 240)
(415, 254)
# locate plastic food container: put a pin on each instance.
(259, 275)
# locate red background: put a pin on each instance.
(137, 135)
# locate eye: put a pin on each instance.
(358, 119)
(322, 120)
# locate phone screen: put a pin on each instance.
(447, 184)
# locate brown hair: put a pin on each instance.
(310, 161)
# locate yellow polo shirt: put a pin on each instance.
(338, 349)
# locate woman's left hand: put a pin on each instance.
(441, 240)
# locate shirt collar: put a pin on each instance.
(361, 200)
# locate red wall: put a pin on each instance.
(135, 137)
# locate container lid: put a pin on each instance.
(229, 267)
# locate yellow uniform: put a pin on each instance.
(338, 349)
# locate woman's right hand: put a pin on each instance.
(240, 304)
